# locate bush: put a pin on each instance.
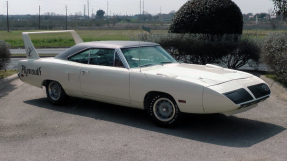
(241, 54)
(197, 49)
(216, 17)
(4, 55)
(275, 54)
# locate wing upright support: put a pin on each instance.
(29, 46)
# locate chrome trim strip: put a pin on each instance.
(249, 103)
(123, 59)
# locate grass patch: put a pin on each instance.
(275, 78)
(7, 73)
(62, 40)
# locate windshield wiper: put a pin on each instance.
(146, 65)
(166, 62)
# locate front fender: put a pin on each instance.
(215, 102)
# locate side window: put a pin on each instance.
(82, 57)
(104, 57)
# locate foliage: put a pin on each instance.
(280, 7)
(7, 73)
(100, 14)
(243, 51)
(215, 17)
(274, 77)
(4, 55)
(275, 49)
(198, 49)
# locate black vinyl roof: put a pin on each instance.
(102, 44)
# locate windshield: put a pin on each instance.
(147, 56)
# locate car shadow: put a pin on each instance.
(214, 129)
(6, 88)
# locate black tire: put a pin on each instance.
(55, 93)
(163, 110)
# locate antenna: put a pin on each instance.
(140, 57)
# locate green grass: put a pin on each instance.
(14, 38)
(4, 74)
(258, 34)
(275, 78)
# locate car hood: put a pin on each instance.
(206, 75)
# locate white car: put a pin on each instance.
(140, 75)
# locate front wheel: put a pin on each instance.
(55, 93)
(163, 110)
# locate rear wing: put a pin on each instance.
(30, 49)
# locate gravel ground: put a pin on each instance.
(32, 129)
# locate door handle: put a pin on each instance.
(84, 72)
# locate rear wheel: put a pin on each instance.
(55, 93)
(163, 110)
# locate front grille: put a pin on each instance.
(252, 103)
(260, 90)
(239, 96)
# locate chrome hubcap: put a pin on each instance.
(164, 109)
(54, 90)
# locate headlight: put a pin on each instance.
(239, 96)
(260, 90)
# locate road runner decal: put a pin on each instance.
(29, 50)
(27, 71)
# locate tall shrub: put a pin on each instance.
(216, 17)
(243, 51)
(197, 49)
(275, 54)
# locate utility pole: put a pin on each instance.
(160, 14)
(140, 7)
(143, 7)
(39, 17)
(84, 10)
(88, 5)
(66, 18)
(8, 27)
(107, 8)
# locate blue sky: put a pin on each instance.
(117, 6)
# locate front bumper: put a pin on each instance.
(237, 96)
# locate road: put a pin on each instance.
(13, 63)
(40, 51)
(32, 129)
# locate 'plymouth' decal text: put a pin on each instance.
(27, 71)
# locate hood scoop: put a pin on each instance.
(169, 75)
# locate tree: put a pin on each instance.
(280, 7)
(100, 14)
(215, 17)
(4, 55)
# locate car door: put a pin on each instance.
(72, 84)
(105, 78)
